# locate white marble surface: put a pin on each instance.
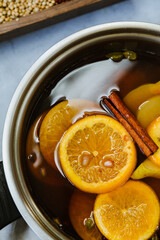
(18, 54)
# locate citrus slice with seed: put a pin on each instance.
(81, 215)
(130, 212)
(58, 120)
(97, 154)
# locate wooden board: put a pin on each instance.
(50, 16)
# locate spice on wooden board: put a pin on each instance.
(60, 11)
(14, 9)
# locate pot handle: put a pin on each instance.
(8, 210)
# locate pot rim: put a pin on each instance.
(29, 82)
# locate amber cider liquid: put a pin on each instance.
(50, 189)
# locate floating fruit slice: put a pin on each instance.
(148, 111)
(139, 95)
(154, 183)
(58, 120)
(151, 166)
(146, 169)
(130, 212)
(97, 154)
(154, 132)
(81, 215)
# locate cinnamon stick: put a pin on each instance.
(128, 120)
(119, 104)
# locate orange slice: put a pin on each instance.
(97, 154)
(154, 183)
(130, 212)
(81, 212)
(154, 132)
(58, 120)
